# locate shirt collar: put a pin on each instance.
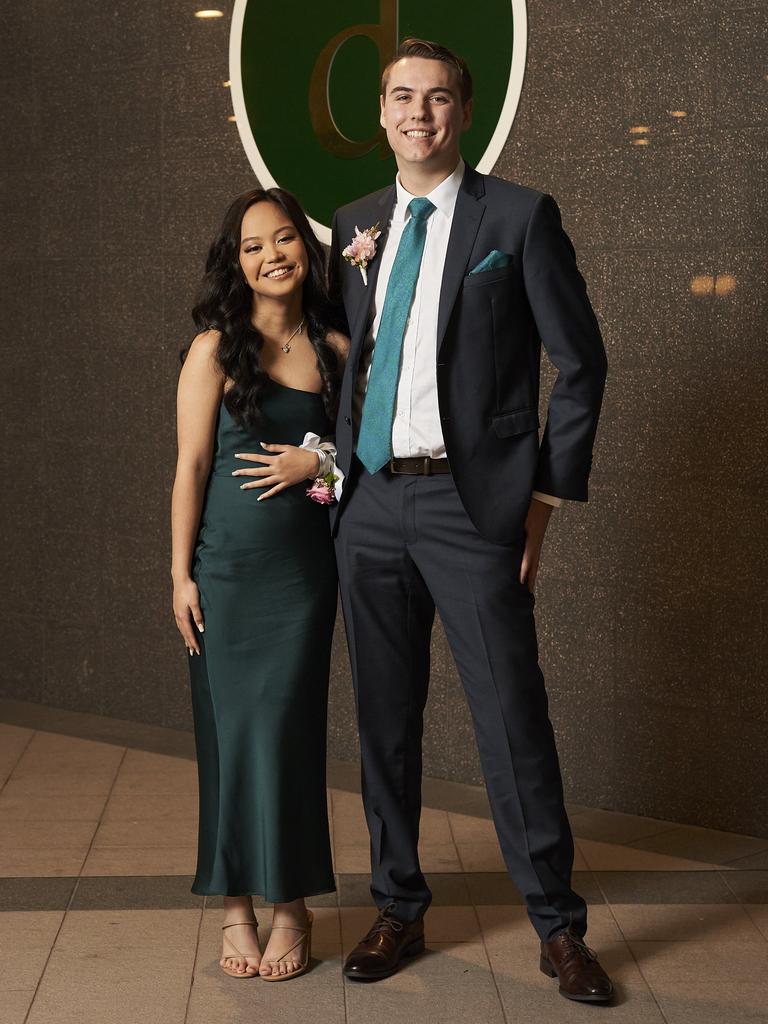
(443, 195)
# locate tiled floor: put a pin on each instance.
(98, 925)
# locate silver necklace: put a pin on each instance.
(287, 346)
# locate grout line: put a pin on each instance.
(7, 779)
(101, 815)
(194, 957)
(630, 950)
(490, 965)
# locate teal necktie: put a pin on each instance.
(374, 443)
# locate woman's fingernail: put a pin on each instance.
(242, 487)
(238, 456)
(189, 651)
(201, 627)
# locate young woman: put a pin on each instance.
(254, 577)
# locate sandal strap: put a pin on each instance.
(229, 956)
(302, 938)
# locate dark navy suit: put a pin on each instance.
(408, 544)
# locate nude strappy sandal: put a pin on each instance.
(229, 970)
(306, 937)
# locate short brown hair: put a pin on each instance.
(413, 47)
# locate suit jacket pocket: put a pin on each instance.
(489, 276)
(507, 424)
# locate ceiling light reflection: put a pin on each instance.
(209, 14)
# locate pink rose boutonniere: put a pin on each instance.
(362, 249)
(322, 489)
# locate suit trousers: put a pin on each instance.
(404, 547)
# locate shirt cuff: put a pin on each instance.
(548, 499)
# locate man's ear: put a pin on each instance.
(467, 120)
(381, 110)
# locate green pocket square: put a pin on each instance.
(495, 260)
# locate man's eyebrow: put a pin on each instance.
(410, 88)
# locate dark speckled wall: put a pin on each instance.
(118, 160)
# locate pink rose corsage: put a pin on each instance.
(322, 489)
(362, 249)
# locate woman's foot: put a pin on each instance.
(287, 950)
(240, 952)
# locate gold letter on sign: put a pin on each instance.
(384, 36)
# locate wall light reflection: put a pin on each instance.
(209, 14)
(713, 284)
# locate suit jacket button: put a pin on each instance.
(348, 421)
(445, 419)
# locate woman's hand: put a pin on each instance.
(289, 466)
(186, 609)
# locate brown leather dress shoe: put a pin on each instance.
(379, 954)
(581, 977)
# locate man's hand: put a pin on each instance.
(289, 466)
(535, 527)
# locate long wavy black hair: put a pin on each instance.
(225, 303)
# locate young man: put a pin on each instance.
(448, 495)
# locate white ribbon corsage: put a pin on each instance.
(327, 485)
(362, 249)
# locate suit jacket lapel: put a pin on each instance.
(467, 215)
(382, 212)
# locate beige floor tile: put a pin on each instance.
(437, 857)
(528, 995)
(579, 861)
(45, 835)
(700, 922)
(49, 862)
(49, 753)
(144, 762)
(702, 1002)
(317, 997)
(130, 860)
(348, 816)
(452, 924)
(508, 930)
(147, 832)
(349, 832)
(351, 859)
(142, 806)
(25, 939)
(703, 844)
(434, 827)
(15, 1004)
(662, 962)
(16, 806)
(481, 857)
(104, 967)
(60, 784)
(759, 914)
(13, 740)
(610, 857)
(467, 829)
(449, 983)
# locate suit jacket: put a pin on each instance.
(490, 329)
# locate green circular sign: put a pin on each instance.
(305, 88)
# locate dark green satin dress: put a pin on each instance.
(267, 579)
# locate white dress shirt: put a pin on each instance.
(416, 427)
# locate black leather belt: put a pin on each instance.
(419, 466)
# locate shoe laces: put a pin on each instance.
(574, 946)
(385, 922)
